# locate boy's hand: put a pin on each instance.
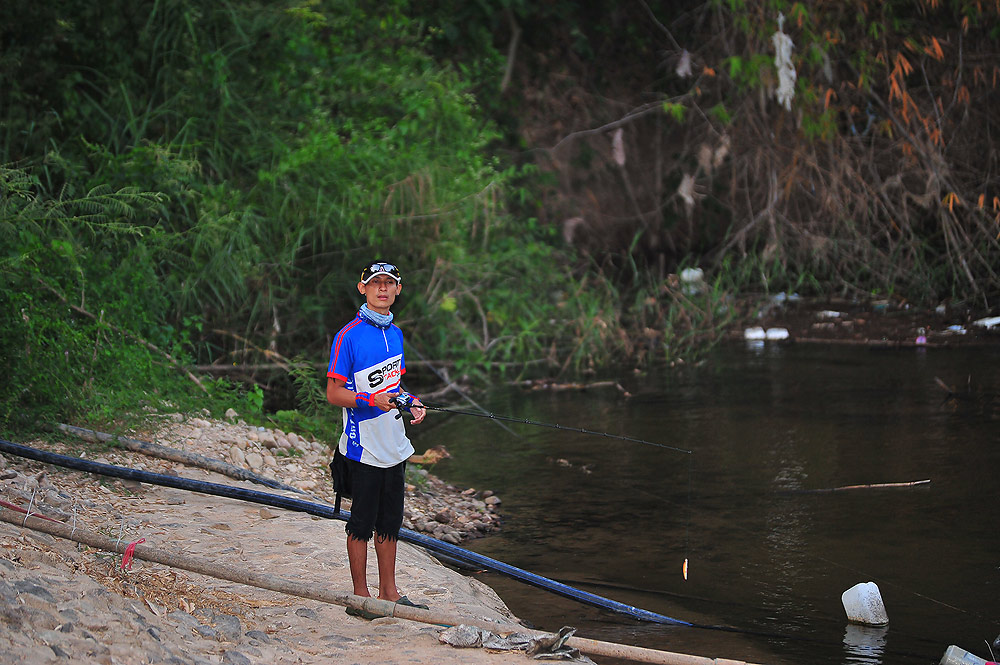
(404, 401)
(383, 401)
(418, 411)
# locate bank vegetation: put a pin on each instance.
(188, 191)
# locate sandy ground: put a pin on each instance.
(66, 601)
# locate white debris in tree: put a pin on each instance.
(570, 228)
(783, 62)
(618, 146)
(721, 151)
(686, 191)
(705, 158)
(684, 65)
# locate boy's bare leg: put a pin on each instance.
(385, 552)
(357, 557)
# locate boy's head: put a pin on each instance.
(380, 284)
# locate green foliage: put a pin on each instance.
(53, 346)
(188, 183)
(213, 182)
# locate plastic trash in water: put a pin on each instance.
(954, 655)
(782, 298)
(988, 322)
(863, 604)
(693, 280)
(759, 333)
(829, 314)
(956, 329)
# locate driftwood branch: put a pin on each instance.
(872, 486)
(542, 384)
(279, 361)
(174, 455)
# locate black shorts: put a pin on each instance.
(376, 501)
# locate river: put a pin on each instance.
(770, 549)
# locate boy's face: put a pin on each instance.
(380, 292)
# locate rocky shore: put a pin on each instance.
(64, 602)
(432, 506)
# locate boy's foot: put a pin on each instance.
(403, 600)
(362, 614)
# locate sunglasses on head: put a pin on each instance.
(380, 269)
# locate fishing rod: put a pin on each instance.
(525, 421)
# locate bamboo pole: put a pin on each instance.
(242, 575)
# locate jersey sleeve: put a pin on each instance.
(341, 355)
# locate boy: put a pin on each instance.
(366, 365)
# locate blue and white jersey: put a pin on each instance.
(369, 359)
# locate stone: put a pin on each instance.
(207, 632)
(35, 590)
(229, 627)
(231, 657)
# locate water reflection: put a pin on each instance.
(864, 645)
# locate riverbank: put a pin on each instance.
(65, 601)
(866, 322)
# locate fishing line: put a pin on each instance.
(581, 430)
(525, 421)
(451, 384)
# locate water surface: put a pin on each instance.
(769, 555)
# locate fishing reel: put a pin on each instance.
(403, 401)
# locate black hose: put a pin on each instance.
(434, 545)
